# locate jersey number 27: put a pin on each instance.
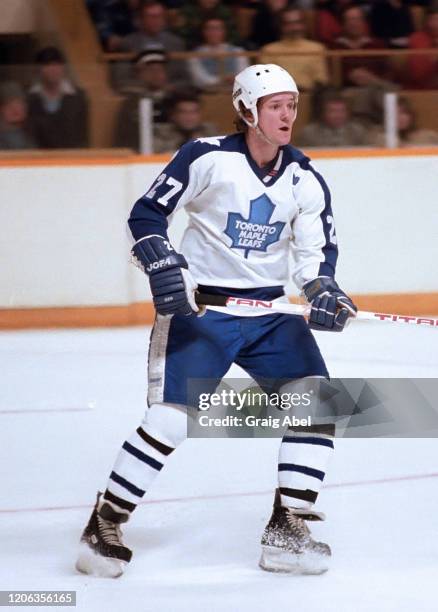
(175, 187)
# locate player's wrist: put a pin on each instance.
(318, 286)
(154, 254)
(172, 285)
(330, 306)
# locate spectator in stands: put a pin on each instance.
(58, 110)
(334, 127)
(113, 20)
(195, 13)
(213, 73)
(266, 23)
(153, 33)
(153, 83)
(308, 71)
(364, 77)
(408, 133)
(355, 37)
(391, 21)
(185, 123)
(151, 76)
(328, 19)
(15, 131)
(423, 69)
(366, 101)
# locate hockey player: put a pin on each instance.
(251, 198)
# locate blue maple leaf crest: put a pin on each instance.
(254, 233)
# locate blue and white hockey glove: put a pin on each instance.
(331, 307)
(173, 288)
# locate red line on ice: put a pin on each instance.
(37, 411)
(173, 500)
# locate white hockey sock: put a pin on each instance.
(144, 453)
(303, 459)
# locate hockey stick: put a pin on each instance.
(231, 303)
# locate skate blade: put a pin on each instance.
(93, 564)
(278, 560)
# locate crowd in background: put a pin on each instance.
(53, 112)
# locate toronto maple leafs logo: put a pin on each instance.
(254, 233)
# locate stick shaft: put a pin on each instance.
(232, 303)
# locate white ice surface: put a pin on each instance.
(68, 399)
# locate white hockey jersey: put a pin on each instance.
(244, 221)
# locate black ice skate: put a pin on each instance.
(102, 551)
(287, 544)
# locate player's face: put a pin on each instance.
(276, 117)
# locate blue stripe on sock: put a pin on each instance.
(302, 469)
(142, 456)
(127, 485)
(310, 440)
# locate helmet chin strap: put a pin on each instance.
(263, 136)
(259, 132)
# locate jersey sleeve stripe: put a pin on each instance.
(329, 250)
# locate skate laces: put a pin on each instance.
(297, 524)
(110, 532)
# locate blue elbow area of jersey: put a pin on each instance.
(327, 268)
(147, 218)
(150, 212)
(330, 249)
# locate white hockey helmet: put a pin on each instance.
(257, 81)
